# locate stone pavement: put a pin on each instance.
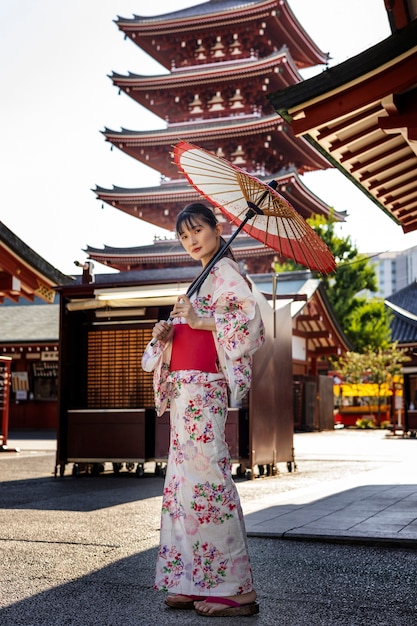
(81, 551)
(378, 506)
(384, 510)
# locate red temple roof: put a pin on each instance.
(362, 115)
(223, 57)
(162, 36)
(23, 273)
(253, 135)
(169, 252)
(243, 84)
(160, 205)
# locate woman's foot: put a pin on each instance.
(243, 604)
(182, 601)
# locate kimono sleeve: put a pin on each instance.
(239, 326)
(152, 355)
(156, 358)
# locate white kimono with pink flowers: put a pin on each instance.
(203, 549)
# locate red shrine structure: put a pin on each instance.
(361, 115)
(220, 58)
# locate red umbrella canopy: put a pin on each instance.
(271, 219)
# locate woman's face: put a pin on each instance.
(200, 240)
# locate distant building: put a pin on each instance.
(394, 270)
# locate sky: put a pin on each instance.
(56, 98)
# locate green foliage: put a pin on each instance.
(369, 325)
(354, 272)
(365, 322)
(373, 366)
(352, 367)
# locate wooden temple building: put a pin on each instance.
(362, 116)
(220, 59)
(29, 336)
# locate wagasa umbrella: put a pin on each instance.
(254, 207)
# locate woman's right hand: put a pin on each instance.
(162, 331)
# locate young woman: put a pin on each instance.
(203, 559)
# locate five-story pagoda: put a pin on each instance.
(221, 58)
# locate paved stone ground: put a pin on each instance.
(81, 551)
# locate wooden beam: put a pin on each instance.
(324, 350)
(398, 123)
(312, 334)
(350, 98)
(305, 317)
(398, 13)
(291, 296)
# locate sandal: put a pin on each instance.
(234, 608)
(183, 604)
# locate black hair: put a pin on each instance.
(195, 209)
(198, 210)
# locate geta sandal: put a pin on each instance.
(185, 605)
(233, 608)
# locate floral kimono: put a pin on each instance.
(203, 549)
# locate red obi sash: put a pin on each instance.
(193, 349)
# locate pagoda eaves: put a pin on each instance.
(160, 205)
(170, 253)
(165, 37)
(243, 85)
(362, 115)
(261, 145)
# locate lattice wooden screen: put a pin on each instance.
(115, 378)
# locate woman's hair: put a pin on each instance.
(197, 212)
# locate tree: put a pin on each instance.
(354, 272)
(354, 276)
(379, 367)
(369, 325)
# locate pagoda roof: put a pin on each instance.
(133, 278)
(213, 72)
(23, 273)
(160, 35)
(169, 251)
(155, 93)
(159, 205)
(151, 146)
(361, 115)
